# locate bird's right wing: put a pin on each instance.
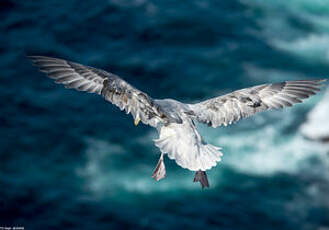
(246, 102)
(110, 86)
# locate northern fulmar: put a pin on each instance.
(174, 120)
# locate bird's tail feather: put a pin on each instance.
(187, 148)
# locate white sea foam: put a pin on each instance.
(266, 152)
(317, 125)
(314, 47)
(97, 151)
(104, 177)
(280, 33)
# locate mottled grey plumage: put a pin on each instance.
(246, 102)
(178, 136)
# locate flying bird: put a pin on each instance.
(174, 120)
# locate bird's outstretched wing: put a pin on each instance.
(246, 102)
(110, 86)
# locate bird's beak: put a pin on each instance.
(137, 120)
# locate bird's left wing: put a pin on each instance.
(110, 86)
(246, 102)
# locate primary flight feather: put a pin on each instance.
(178, 135)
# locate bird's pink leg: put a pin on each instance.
(201, 176)
(160, 170)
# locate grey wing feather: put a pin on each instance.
(243, 103)
(110, 86)
(70, 74)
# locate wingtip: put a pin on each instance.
(34, 58)
(31, 56)
(37, 59)
(321, 83)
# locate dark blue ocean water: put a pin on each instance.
(69, 160)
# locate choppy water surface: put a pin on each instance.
(69, 160)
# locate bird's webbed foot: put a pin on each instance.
(201, 176)
(160, 170)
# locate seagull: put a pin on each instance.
(174, 120)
